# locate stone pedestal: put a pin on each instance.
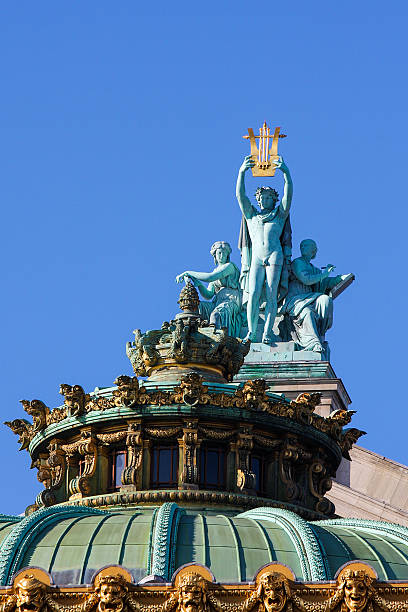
(291, 372)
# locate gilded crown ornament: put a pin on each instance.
(188, 343)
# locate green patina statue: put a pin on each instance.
(309, 302)
(223, 290)
(265, 244)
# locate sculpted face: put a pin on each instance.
(192, 598)
(221, 255)
(110, 597)
(267, 199)
(308, 248)
(355, 594)
(30, 595)
(274, 594)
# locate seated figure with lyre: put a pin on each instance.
(309, 302)
(224, 309)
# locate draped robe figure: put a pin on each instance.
(307, 302)
(224, 295)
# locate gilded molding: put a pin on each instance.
(193, 589)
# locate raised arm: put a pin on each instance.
(288, 186)
(243, 200)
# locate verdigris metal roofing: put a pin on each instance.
(74, 542)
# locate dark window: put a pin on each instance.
(259, 468)
(212, 467)
(117, 463)
(164, 471)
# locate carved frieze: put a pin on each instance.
(191, 391)
(193, 590)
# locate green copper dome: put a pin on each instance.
(74, 542)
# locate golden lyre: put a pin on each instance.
(262, 155)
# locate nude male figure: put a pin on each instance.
(265, 228)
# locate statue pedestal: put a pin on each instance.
(292, 372)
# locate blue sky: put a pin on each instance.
(121, 136)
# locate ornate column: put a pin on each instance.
(85, 447)
(132, 474)
(293, 462)
(189, 446)
(244, 444)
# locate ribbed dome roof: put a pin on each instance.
(74, 542)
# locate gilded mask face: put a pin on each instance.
(355, 594)
(110, 597)
(30, 595)
(191, 598)
(274, 595)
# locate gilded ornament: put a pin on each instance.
(75, 399)
(341, 417)
(112, 594)
(127, 392)
(355, 593)
(192, 595)
(39, 411)
(23, 430)
(30, 594)
(308, 400)
(273, 594)
(348, 438)
(253, 395)
(266, 151)
(191, 391)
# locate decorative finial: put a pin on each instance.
(189, 299)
